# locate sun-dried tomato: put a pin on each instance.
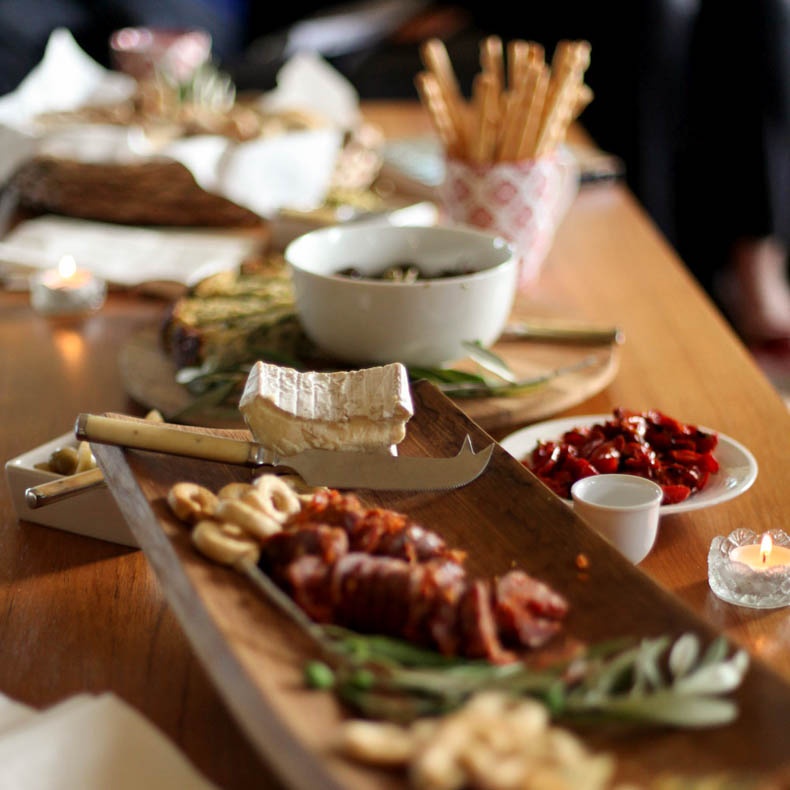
(706, 442)
(675, 494)
(649, 444)
(576, 437)
(606, 457)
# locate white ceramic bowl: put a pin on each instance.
(422, 323)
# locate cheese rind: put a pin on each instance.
(365, 410)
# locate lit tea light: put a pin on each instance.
(751, 570)
(762, 557)
(67, 290)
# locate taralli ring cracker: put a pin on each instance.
(257, 523)
(275, 498)
(191, 502)
(234, 490)
(213, 541)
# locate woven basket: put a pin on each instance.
(150, 193)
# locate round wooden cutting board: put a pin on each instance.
(148, 376)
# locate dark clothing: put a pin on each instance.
(25, 26)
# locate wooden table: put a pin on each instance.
(80, 615)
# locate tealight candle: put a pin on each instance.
(67, 290)
(762, 557)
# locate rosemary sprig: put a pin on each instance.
(459, 384)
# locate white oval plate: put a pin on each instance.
(737, 466)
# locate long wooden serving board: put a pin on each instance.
(504, 518)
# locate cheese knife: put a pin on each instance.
(62, 488)
(336, 469)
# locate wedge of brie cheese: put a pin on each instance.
(365, 410)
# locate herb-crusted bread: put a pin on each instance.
(234, 316)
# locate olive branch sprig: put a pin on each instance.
(652, 681)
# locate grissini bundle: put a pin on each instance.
(521, 106)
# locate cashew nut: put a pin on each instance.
(85, 459)
(274, 498)
(191, 502)
(212, 540)
(493, 742)
(377, 743)
(256, 523)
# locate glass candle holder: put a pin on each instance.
(751, 570)
(66, 291)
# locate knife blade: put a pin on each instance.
(376, 471)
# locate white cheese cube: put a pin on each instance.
(365, 410)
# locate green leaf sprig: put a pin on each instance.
(654, 681)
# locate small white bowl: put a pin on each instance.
(92, 513)
(422, 323)
(624, 509)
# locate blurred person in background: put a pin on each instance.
(693, 95)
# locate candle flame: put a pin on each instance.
(766, 544)
(67, 266)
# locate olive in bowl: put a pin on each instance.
(463, 291)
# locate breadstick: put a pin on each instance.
(515, 114)
(538, 77)
(517, 57)
(492, 59)
(536, 53)
(584, 96)
(432, 99)
(525, 121)
(556, 123)
(570, 61)
(435, 57)
(483, 140)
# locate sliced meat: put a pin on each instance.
(342, 586)
(333, 508)
(534, 594)
(375, 530)
(307, 580)
(526, 610)
(477, 629)
(375, 571)
(283, 548)
(449, 579)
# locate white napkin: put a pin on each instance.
(287, 170)
(124, 255)
(91, 743)
(308, 81)
(65, 79)
(291, 170)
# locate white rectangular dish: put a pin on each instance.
(92, 513)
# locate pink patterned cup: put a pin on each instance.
(522, 201)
